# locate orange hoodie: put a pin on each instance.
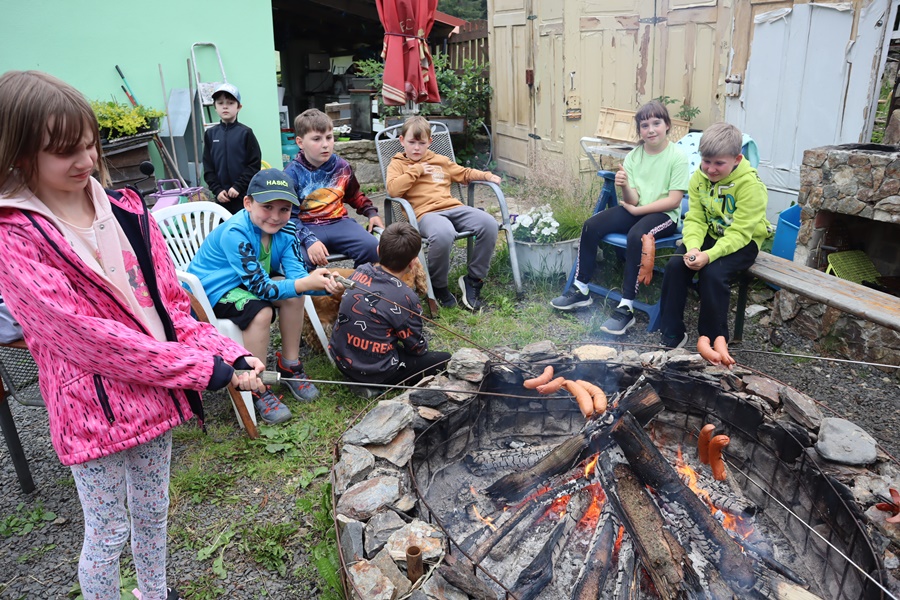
(426, 184)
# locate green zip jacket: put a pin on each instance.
(732, 211)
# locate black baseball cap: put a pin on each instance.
(272, 184)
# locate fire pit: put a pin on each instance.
(522, 498)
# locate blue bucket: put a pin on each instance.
(785, 242)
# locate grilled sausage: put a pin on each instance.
(707, 352)
(582, 397)
(648, 256)
(541, 379)
(703, 442)
(552, 387)
(597, 395)
(716, 463)
(721, 346)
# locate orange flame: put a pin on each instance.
(592, 514)
(618, 542)
(734, 523)
(489, 521)
(556, 509)
(591, 465)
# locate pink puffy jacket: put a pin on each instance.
(108, 384)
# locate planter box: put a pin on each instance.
(454, 124)
(546, 259)
(618, 125)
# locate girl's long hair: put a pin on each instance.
(35, 107)
(652, 110)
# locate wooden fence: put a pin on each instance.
(471, 42)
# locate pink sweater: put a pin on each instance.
(108, 384)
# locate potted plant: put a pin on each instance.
(117, 120)
(540, 245)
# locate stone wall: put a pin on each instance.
(860, 185)
(362, 157)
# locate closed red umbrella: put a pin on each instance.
(408, 68)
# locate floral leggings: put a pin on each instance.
(142, 474)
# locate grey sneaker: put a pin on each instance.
(270, 408)
(619, 322)
(445, 298)
(293, 379)
(672, 342)
(571, 300)
(471, 292)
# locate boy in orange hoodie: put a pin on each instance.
(423, 178)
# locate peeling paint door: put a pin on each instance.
(511, 63)
(810, 82)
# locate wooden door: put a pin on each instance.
(511, 107)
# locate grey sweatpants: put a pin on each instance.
(439, 229)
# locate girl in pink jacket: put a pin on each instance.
(88, 276)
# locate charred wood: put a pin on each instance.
(486, 461)
(640, 400)
(460, 574)
(539, 573)
(666, 560)
(628, 582)
(653, 469)
(597, 564)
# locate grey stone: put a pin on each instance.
(846, 443)
(429, 539)
(656, 358)
(540, 351)
(353, 467)
(406, 503)
(429, 414)
(370, 581)
(381, 424)
(755, 309)
(351, 539)
(763, 387)
(365, 498)
(800, 407)
(870, 488)
(468, 364)
(427, 397)
(379, 529)
(685, 361)
(437, 588)
(629, 357)
(594, 352)
(389, 569)
(399, 450)
(892, 131)
(467, 389)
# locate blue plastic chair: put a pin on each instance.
(607, 199)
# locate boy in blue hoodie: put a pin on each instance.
(250, 265)
(325, 181)
(724, 229)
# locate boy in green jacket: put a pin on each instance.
(723, 230)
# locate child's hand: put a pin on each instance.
(374, 222)
(222, 198)
(695, 260)
(494, 179)
(318, 254)
(621, 177)
(321, 279)
(333, 286)
(233, 193)
(247, 382)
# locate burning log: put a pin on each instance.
(667, 561)
(539, 573)
(627, 584)
(653, 469)
(597, 564)
(640, 400)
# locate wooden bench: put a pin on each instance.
(846, 296)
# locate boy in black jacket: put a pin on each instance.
(377, 341)
(231, 154)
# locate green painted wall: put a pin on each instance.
(81, 41)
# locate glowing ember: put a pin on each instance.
(618, 542)
(591, 465)
(556, 509)
(734, 523)
(489, 521)
(592, 514)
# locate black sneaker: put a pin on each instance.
(673, 342)
(471, 292)
(571, 300)
(445, 298)
(619, 322)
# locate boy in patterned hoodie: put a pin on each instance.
(325, 181)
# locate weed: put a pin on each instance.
(267, 544)
(202, 587)
(127, 583)
(23, 522)
(220, 543)
(37, 552)
(199, 484)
